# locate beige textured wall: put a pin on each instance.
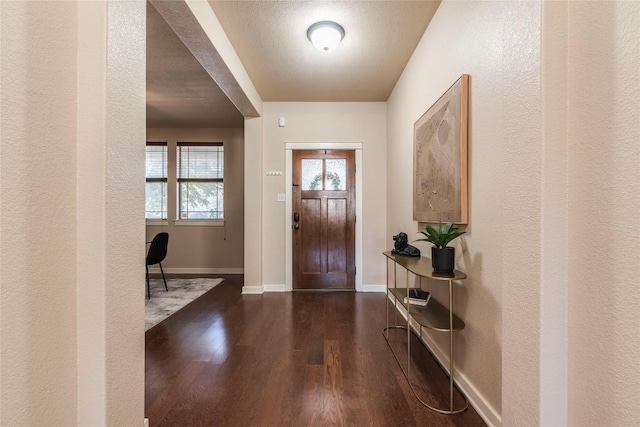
(325, 122)
(497, 43)
(72, 265)
(553, 281)
(253, 202)
(91, 213)
(206, 247)
(37, 227)
(604, 206)
(118, 289)
(521, 194)
(554, 126)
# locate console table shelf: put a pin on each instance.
(434, 316)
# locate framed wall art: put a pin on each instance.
(440, 158)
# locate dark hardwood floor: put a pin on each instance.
(286, 359)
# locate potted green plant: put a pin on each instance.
(442, 256)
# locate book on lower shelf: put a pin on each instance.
(417, 297)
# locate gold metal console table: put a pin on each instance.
(433, 316)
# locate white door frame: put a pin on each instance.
(288, 182)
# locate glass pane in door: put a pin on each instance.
(336, 178)
(311, 174)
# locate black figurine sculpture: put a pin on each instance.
(402, 246)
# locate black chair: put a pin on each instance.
(157, 253)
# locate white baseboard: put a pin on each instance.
(156, 270)
(373, 288)
(479, 403)
(252, 290)
(274, 288)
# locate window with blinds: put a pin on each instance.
(156, 183)
(200, 180)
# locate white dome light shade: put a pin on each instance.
(325, 35)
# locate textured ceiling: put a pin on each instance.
(270, 39)
(180, 93)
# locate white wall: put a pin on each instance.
(325, 122)
(604, 206)
(72, 230)
(497, 43)
(201, 249)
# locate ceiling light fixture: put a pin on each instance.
(325, 35)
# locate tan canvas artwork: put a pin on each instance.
(440, 159)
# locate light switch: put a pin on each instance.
(281, 122)
(281, 197)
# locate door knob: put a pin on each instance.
(296, 226)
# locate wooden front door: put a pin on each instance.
(324, 219)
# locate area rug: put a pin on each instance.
(181, 292)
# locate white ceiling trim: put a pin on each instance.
(323, 145)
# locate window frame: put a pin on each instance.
(163, 179)
(197, 221)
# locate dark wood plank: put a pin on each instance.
(309, 232)
(337, 242)
(287, 359)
